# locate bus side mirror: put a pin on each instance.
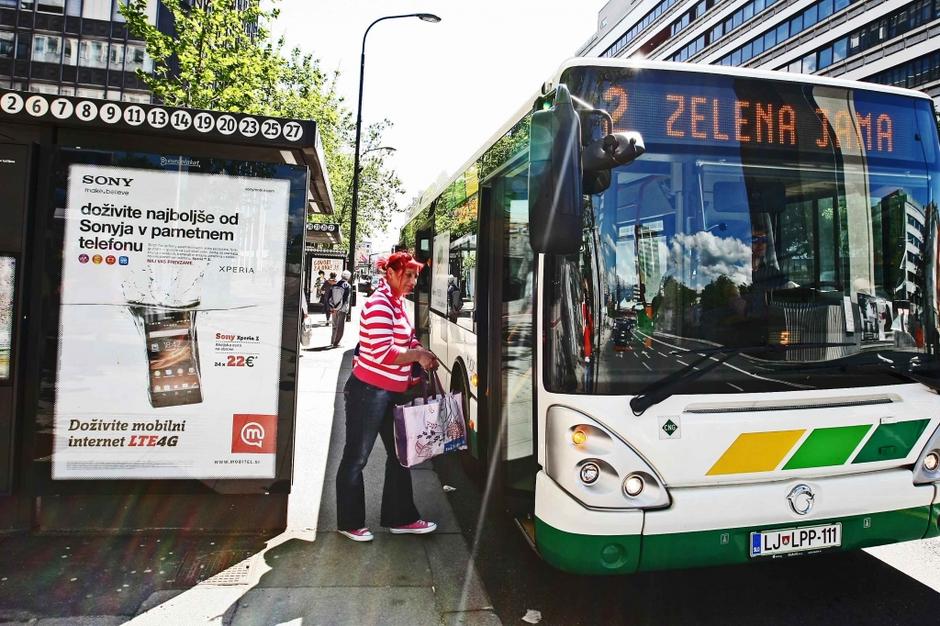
(555, 193)
(613, 150)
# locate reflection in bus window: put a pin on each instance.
(462, 281)
(709, 245)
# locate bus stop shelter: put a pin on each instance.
(151, 269)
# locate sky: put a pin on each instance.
(447, 87)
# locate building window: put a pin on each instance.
(93, 53)
(96, 9)
(809, 63)
(839, 50)
(23, 43)
(44, 88)
(7, 44)
(137, 96)
(51, 6)
(89, 92)
(116, 59)
(796, 24)
(116, 15)
(47, 48)
(911, 74)
(70, 56)
(137, 59)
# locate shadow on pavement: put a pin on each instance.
(69, 576)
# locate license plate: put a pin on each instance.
(772, 542)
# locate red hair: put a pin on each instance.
(401, 261)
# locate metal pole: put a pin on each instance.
(354, 213)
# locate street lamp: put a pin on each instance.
(377, 149)
(427, 17)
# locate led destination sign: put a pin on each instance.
(766, 123)
(716, 111)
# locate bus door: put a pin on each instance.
(506, 341)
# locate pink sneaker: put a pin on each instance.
(360, 534)
(420, 527)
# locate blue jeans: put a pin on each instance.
(369, 412)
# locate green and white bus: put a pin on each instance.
(697, 314)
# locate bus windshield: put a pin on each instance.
(765, 213)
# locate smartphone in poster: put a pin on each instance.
(170, 324)
(7, 276)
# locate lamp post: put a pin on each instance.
(377, 149)
(427, 17)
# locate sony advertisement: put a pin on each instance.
(7, 276)
(170, 322)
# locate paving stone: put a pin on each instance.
(158, 598)
(202, 604)
(338, 607)
(83, 620)
(335, 561)
(455, 589)
(472, 618)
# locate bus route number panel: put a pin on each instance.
(790, 540)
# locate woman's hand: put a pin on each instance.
(426, 359)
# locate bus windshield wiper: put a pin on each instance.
(659, 390)
(875, 362)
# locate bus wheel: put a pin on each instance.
(459, 384)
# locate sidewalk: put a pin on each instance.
(307, 575)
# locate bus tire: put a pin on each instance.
(459, 383)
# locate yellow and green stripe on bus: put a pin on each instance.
(823, 447)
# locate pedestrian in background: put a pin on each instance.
(325, 294)
(454, 299)
(381, 373)
(338, 302)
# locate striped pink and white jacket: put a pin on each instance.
(384, 332)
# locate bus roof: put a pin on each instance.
(700, 68)
(727, 70)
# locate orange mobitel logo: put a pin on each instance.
(254, 434)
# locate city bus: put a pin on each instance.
(697, 314)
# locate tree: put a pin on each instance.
(218, 58)
(222, 58)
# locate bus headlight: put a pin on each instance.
(596, 466)
(590, 473)
(932, 461)
(633, 485)
(927, 467)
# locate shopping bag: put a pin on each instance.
(430, 425)
(306, 331)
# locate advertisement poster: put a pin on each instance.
(170, 325)
(7, 274)
(326, 265)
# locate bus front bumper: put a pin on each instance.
(709, 526)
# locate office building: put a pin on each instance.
(74, 47)
(891, 42)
